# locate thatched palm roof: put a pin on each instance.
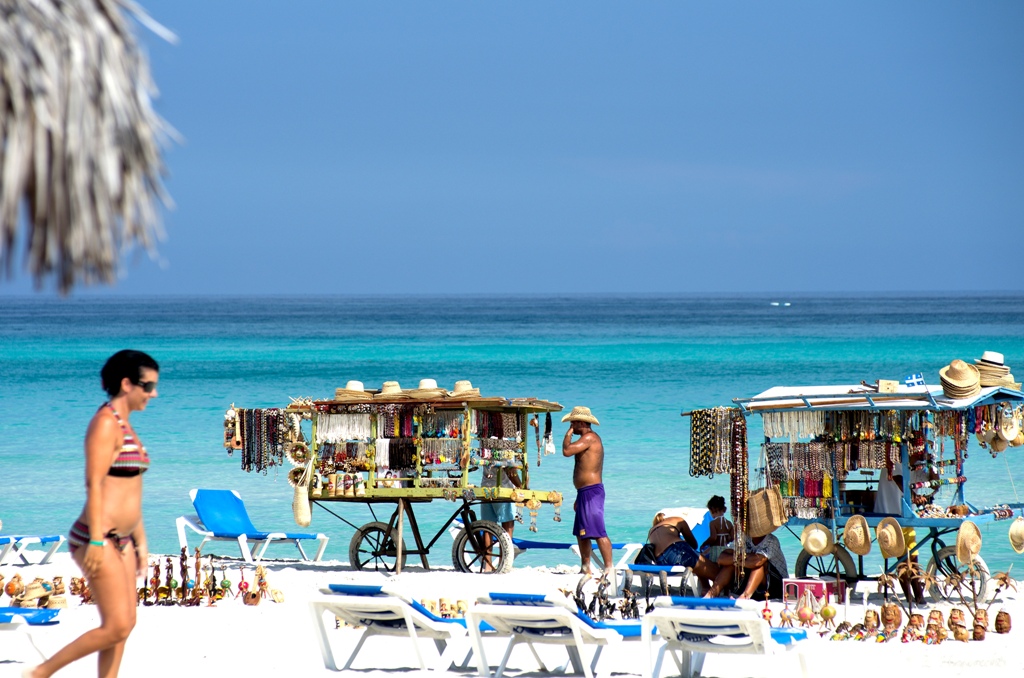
(79, 140)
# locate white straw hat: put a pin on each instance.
(817, 540)
(991, 358)
(464, 389)
(391, 390)
(427, 390)
(1017, 535)
(856, 535)
(353, 390)
(968, 542)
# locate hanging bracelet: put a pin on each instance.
(93, 542)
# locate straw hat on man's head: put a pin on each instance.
(968, 542)
(856, 536)
(581, 414)
(1017, 535)
(817, 540)
(889, 536)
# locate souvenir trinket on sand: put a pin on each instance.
(1003, 624)
(979, 631)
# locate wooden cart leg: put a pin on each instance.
(398, 546)
(415, 528)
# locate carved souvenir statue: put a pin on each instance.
(935, 617)
(961, 633)
(979, 631)
(981, 617)
(931, 636)
(1002, 621)
(892, 618)
(957, 618)
(870, 622)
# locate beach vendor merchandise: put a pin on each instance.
(890, 456)
(403, 447)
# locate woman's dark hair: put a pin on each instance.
(716, 503)
(125, 364)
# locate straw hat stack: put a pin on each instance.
(960, 380)
(994, 372)
(353, 391)
(427, 390)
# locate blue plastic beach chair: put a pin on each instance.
(18, 543)
(221, 516)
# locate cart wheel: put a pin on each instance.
(485, 548)
(945, 563)
(825, 566)
(372, 548)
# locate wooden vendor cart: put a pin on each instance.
(398, 448)
(829, 449)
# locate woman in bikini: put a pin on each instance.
(108, 541)
(721, 532)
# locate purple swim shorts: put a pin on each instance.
(589, 523)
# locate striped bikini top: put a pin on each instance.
(132, 459)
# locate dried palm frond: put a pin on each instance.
(79, 139)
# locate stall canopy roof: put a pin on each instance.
(782, 398)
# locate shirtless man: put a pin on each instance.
(674, 544)
(586, 476)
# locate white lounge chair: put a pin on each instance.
(385, 613)
(17, 620)
(18, 543)
(221, 516)
(539, 619)
(694, 627)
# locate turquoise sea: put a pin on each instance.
(637, 362)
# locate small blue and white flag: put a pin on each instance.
(915, 380)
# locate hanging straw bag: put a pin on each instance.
(764, 507)
(764, 512)
(300, 501)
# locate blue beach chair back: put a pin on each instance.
(223, 513)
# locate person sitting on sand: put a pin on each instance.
(721, 534)
(721, 530)
(765, 567)
(674, 544)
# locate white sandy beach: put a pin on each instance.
(278, 639)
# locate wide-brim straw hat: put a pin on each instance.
(390, 390)
(581, 414)
(1017, 535)
(353, 390)
(427, 390)
(464, 389)
(889, 536)
(960, 375)
(998, 444)
(1009, 427)
(34, 590)
(857, 536)
(817, 540)
(968, 542)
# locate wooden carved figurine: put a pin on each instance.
(1003, 621)
(957, 618)
(981, 617)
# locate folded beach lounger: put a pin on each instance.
(221, 516)
(17, 620)
(18, 543)
(695, 627)
(685, 574)
(538, 619)
(385, 613)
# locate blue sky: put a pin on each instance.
(681, 147)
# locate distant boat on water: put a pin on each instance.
(780, 303)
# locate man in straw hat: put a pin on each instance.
(588, 452)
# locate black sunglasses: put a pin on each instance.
(147, 386)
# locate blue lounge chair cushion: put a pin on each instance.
(357, 590)
(624, 629)
(362, 590)
(653, 568)
(526, 544)
(34, 616)
(47, 539)
(703, 603)
(788, 636)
